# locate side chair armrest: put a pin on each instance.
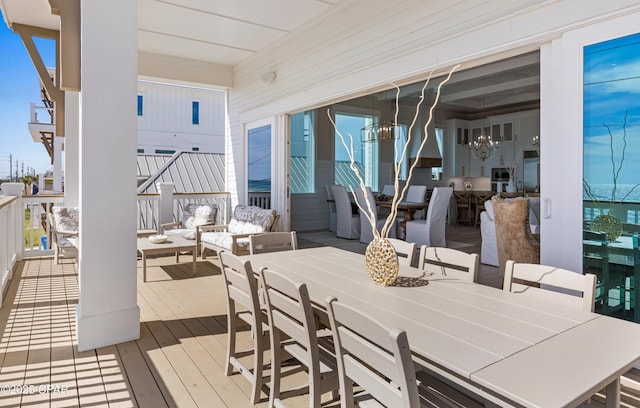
(171, 225)
(213, 228)
(201, 228)
(66, 232)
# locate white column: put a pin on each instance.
(107, 311)
(16, 189)
(71, 149)
(57, 164)
(165, 206)
(41, 183)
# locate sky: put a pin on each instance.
(611, 91)
(20, 86)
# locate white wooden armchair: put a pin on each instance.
(64, 223)
(234, 237)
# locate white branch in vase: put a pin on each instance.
(370, 210)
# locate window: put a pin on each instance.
(139, 105)
(400, 142)
(436, 172)
(302, 161)
(195, 149)
(195, 112)
(164, 151)
(365, 153)
(140, 151)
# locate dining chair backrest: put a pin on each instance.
(449, 262)
(372, 355)
(290, 313)
(406, 251)
(416, 194)
(542, 281)
(241, 288)
(388, 190)
(348, 225)
(272, 242)
(333, 218)
(514, 238)
(371, 210)
(431, 230)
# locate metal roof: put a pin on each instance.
(189, 171)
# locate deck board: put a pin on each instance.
(177, 362)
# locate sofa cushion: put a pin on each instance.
(66, 218)
(251, 220)
(223, 240)
(186, 233)
(195, 215)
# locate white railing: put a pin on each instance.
(625, 212)
(10, 245)
(261, 199)
(48, 113)
(37, 235)
(150, 207)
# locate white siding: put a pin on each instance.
(166, 122)
(365, 44)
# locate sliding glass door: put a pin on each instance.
(611, 172)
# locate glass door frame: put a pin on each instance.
(561, 130)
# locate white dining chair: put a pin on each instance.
(449, 262)
(348, 223)
(293, 334)
(241, 288)
(374, 356)
(415, 194)
(333, 216)
(551, 283)
(431, 230)
(272, 242)
(406, 251)
(366, 232)
(388, 190)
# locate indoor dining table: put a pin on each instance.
(503, 348)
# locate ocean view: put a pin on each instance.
(260, 185)
(603, 192)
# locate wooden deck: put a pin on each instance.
(177, 362)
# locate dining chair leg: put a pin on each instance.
(231, 340)
(276, 369)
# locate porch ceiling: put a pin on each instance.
(214, 31)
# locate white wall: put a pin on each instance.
(366, 43)
(166, 122)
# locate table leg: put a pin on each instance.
(613, 394)
(144, 266)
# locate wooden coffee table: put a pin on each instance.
(174, 243)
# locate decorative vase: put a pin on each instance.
(608, 224)
(381, 262)
(511, 186)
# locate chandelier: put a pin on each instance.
(483, 147)
(385, 131)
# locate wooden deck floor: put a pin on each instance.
(177, 362)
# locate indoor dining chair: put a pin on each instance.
(431, 230)
(449, 263)
(348, 222)
(241, 288)
(543, 282)
(333, 215)
(272, 242)
(293, 333)
(366, 231)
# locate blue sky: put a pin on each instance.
(20, 86)
(612, 88)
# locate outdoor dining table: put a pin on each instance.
(507, 349)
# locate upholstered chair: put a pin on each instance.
(514, 238)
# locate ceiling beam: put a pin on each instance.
(69, 51)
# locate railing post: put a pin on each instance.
(16, 189)
(165, 206)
